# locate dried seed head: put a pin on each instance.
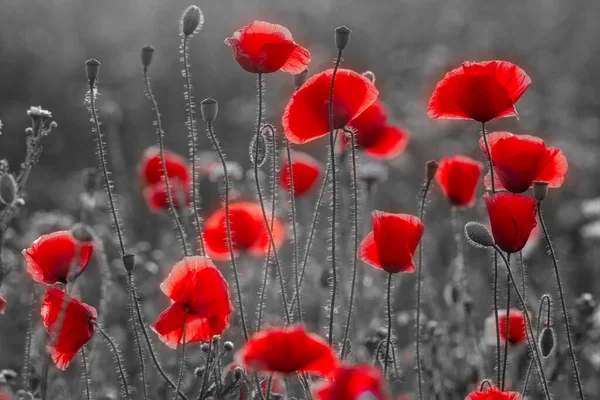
(342, 36)
(431, 168)
(129, 262)
(259, 148)
(300, 78)
(147, 53)
(8, 189)
(478, 235)
(369, 75)
(82, 232)
(547, 341)
(209, 109)
(92, 68)
(191, 21)
(540, 190)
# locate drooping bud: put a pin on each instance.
(209, 109)
(370, 75)
(431, 168)
(342, 36)
(82, 232)
(238, 372)
(147, 53)
(540, 190)
(92, 68)
(547, 341)
(478, 235)
(8, 189)
(129, 262)
(259, 149)
(300, 78)
(228, 346)
(199, 371)
(191, 21)
(205, 347)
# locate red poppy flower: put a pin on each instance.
(196, 287)
(2, 304)
(458, 177)
(481, 91)
(157, 199)
(392, 243)
(494, 394)
(306, 170)
(516, 326)
(512, 217)
(353, 381)
(306, 116)
(521, 159)
(262, 47)
(57, 257)
(5, 394)
(76, 325)
(374, 135)
(286, 351)
(248, 231)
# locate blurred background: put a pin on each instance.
(408, 44)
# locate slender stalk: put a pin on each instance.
(562, 301)
(506, 333)
(489, 156)
(294, 229)
(27, 361)
(238, 287)
(523, 277)
(334, 199)
(137, 337)
(269, 387)
(261, 201)
(206, 373)
(85, 373)
(44, 378)
(537, 334)
(117, 358)
(389, 324)
(355, 234)
(160, 134)
(192, 133)
(182, 364)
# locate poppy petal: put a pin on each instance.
(169, 325)
(458, 177)
(512, 218)
(306, 171)
(516, 326)
(367, 251)
(352, 382)
(151, 169)
(2, 304)
(391, 141)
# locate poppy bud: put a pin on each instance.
(478, 235)
(259, 149)
(342, 36)
(82, 232)
(300, 78)
(191, 21)
(540, 190)
(209, 109)
(431, 168)
(205, 347)
(369, 75)
(92, 67)
(8, 189)
(199, 371)
(129, 262)
(228, 346)
(239, 372)
(547, 341)
(147, 53)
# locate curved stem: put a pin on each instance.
(355, 234)
(506, 333)
(389, 324)
(334, 200)
(160, 134)
(294, 229)
(238, 287)
(562, 302)
(192, 134)
(537, 334)
(117, 357)
(261, 201)
(85, 374)
(182, 364)
(137, 337)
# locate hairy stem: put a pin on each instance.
(206, 373)
(537, 334)
(389, 325)
(28, 337)
(182, 363)
(85, 373)
(137, 336)
(506, 333)
(294, 228)
(117, 358)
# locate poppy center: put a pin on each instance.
(341, 116)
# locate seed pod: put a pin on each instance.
(209, 109)
(431, 168)
(478, 235)
(129, 262)
(342, 36)
(191, 21)
(8, 189)
(92, 68)
(547, 341)
(259, 149)
(147, 53)
(540, 190)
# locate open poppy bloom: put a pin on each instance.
(521, 159)
(480, 91)
(248, 231)
(392, 243)
(516, 326)
(458, 177)
(375, 135)
(350, 382)
(199, 299)
(494, 394)
(306, 116)
(76, 325)
(286, 351)
(57, 258)
(512, 218)
(153, 179)
(306, 171)
(262, 47)
(2, 304)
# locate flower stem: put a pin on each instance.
(28, 337)
(562, 302)
(355, 234)
(334, 200)
(545, 298)
(85, 373)
(213, 139)
(506, 333)
(117, 358)
(137, 336)
(294, 228)
(389, 325)
(182, 363)
(206, 373)
(160, 134)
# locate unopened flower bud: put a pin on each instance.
(540, 190)
(209, 109)
(431, 168)
(82, 232)
(547, 341)
(300, 78)
(147, 53)
(129, 262)
(215, 339)
(228, 346)
(259, 149)
(238, 372)
(92, 67)
(478, 235)
(205, 347)
(342, 36)
(199, 371)
(369, 75)
(8, 189)
(191, 21)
